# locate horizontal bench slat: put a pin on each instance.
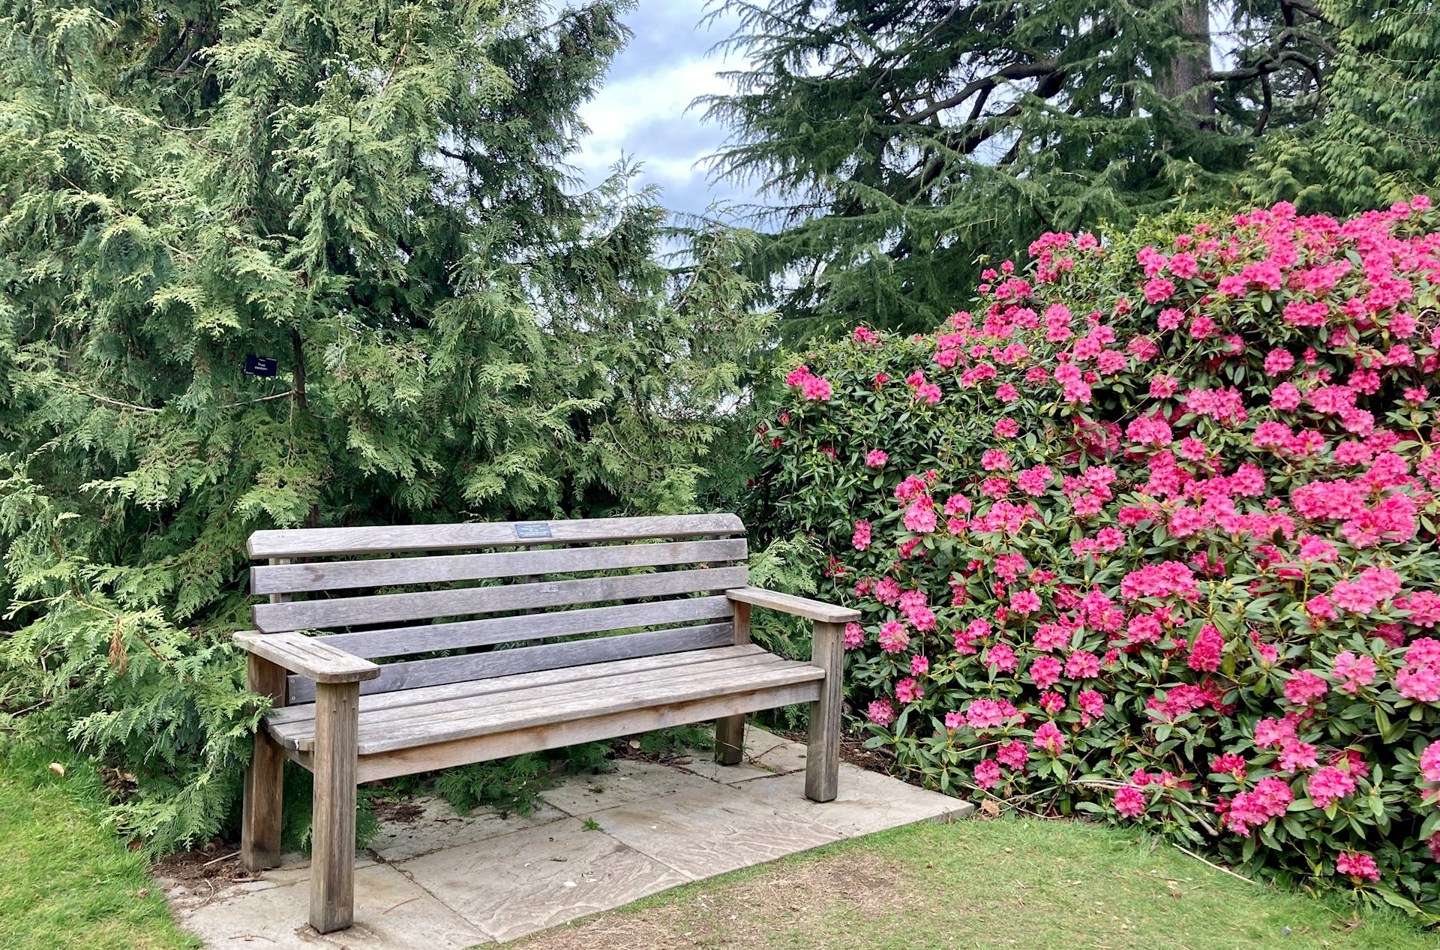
(391, 608)
(387, 728)
(323, 542)
(462, 634)
(524, 682)
(385, 736)
(477, 666)
(376, 767)
(395, 572)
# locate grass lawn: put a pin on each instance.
(64, 881)
(1005, 883)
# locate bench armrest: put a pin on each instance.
(790, 604)
(311, 657)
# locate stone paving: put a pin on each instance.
(443, 881)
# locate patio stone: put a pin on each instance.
(631, 782)
(709, 832)
(437, 826)
(867, 802)
(391, 913)
(520, 883)
(435, 880)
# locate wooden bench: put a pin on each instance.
(484, 658)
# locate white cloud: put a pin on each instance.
(623, 107)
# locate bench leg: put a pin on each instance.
(730, 739)
(265, 778)
(332, 838)
(264, 792)
(730, 731)
(822, 759)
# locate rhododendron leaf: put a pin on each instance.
(1395, 900)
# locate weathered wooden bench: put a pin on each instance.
(459, 686)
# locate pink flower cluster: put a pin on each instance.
(1182, 523)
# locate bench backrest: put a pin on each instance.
(393, 592)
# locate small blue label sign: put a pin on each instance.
(532, 529)
(259, 365)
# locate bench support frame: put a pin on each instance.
(264, 778)
(822, 758)
(332, 835)
(280, 646)
(730, 731)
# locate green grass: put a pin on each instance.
(65, 882)
(1006, 883)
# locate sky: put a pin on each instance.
(643, 109)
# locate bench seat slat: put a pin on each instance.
(413, 674)
(395, 572)
(463, 634)
(522, 681)
(332, 542)
(393, 608)
(512, 707)
(634, 695)
(379, 766)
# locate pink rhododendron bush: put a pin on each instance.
(1149, 532)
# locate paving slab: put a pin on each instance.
(392, 912)
(437, 826)
(540, 877)
(766, 754)
(435, 880)
(630, 782)
(711, 831)
(866, 802)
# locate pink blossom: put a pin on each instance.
(987, 773)
(1001, 657)
(1356, 671)
(990, 713)
(1045, 671)
(1305, 688)
(1048, 739)
(1430, 763)
(893, 638)
(1329, 785)
(881, 712)
(1278, 361)
(876, 458)
(1130, 801)
(1024, 601)
(1358, 866)
(1081, 664)
(861, 538)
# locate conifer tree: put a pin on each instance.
(370, 202)
(1378, 140)
(898, 143)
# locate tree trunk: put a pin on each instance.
(1183, 81)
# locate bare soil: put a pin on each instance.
(217, 864)
(787, 898)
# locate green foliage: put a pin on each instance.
(1149, 533)
(675, 740)
(899, 143)
(510, 786)
(790, 564)
(1379, 139)
(376, 197)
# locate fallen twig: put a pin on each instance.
(1185, 850)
